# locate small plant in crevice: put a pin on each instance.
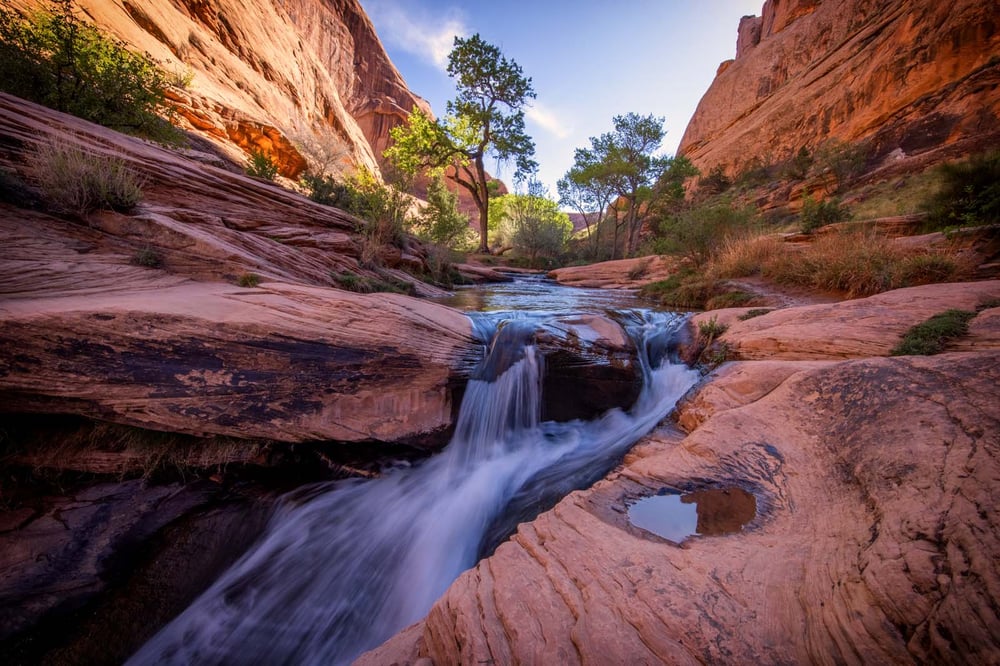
(249, 280)
(709, 330)
(931, 336)
(362, 284)
(756, 312)
(76, 182)
(149, 257)
(261, 165)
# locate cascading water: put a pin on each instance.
(345, 565)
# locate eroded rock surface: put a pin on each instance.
(872, 543)
(874, 482)
(852, 329)
(617, 274)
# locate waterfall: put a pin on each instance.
(345, 565)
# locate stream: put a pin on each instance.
(344, 565)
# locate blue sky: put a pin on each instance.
(589, 59)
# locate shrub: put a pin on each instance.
(327, 190)
(368, 285)
(756, 312)
(715, 182)
(931, 336)
(57, 60)
(710, 330)
(638, 271)
(441, 222)
(249, 280)
(698, 233)
(149, 257)
(76, 182)
(816, 214)
(261, 165)
(969, 193)
(798, 167)
(846, 161)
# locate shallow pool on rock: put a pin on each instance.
(706, 512)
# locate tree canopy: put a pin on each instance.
(530, 223)
(486, 119)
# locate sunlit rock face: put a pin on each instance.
(916, 78)
(183, 347)
(284, 77)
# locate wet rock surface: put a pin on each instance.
(88, 576)
(873, 481)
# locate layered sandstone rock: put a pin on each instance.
(292, 79)
(872, 542)
(183, 347)
(851, 329)
(914, 78)
(617, 274)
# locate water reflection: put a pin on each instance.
(706, 512)
(538, 293)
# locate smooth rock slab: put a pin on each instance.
(874, 541)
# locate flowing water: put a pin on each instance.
(345, 565)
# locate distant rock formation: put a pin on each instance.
(284, 77)
(918, 79)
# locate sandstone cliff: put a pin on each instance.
(295, 79)
(917, 79)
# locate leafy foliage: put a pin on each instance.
(57, 60)
(262, 165)
(249, 280)
(369, 285)
(816, 214)
(697, 233)
(486, 119)
(441, 222)
(846, 161)
(931, 336)
(715, 182)
(969, 194)
(531, 223)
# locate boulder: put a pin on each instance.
(591, 366)
(617, 274)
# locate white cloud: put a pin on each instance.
(548, 120)
(428, 37)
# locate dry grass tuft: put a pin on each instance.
(76, 182)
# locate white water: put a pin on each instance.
(343, 566)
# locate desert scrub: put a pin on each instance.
(367, 285)
(261, 165)
(751, 314)
(931, 336)
(249, 280)
(149, 257)
(76, 182)
(969, 193)
(56, 59)
(816, 214)
(711, 329)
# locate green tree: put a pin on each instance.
(441, 222)
(56, 59)
(531, 223)
(589, 188)
(486, 119)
